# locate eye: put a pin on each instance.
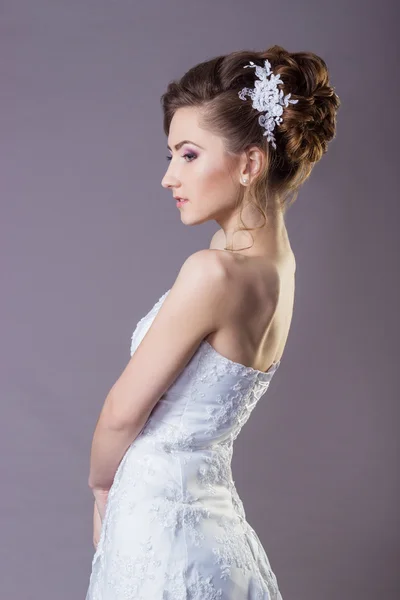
(188, 154)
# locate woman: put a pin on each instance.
(244, 132)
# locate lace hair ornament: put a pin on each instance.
(267, 98)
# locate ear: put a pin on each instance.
(251, 164)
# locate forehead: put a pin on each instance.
(185, 125)
(184, 121)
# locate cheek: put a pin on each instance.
(212, 178)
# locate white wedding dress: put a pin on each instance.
(175, 527)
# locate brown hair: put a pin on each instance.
(301, 139)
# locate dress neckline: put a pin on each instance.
(245, 368)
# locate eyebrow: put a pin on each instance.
(178, 146)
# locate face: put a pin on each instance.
(200, 171)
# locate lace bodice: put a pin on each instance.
(211, 399)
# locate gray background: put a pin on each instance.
(90, 241)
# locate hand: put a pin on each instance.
(96, 526)
(100, 497)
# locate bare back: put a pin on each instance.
(259, 307)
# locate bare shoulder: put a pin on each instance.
(203, 281)
(206, 265)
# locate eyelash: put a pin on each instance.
(184, 156)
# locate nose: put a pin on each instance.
(169, 181)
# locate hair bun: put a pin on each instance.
(309, 125)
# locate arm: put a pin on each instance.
(193, 308)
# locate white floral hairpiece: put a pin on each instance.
(267, 98)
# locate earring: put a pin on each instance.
(245, 180)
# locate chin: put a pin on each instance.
(194, 219)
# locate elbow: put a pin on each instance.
(114, 420)
(117, 418)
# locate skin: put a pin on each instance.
(262, 275)
(97, 522)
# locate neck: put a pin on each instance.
(261, 241)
